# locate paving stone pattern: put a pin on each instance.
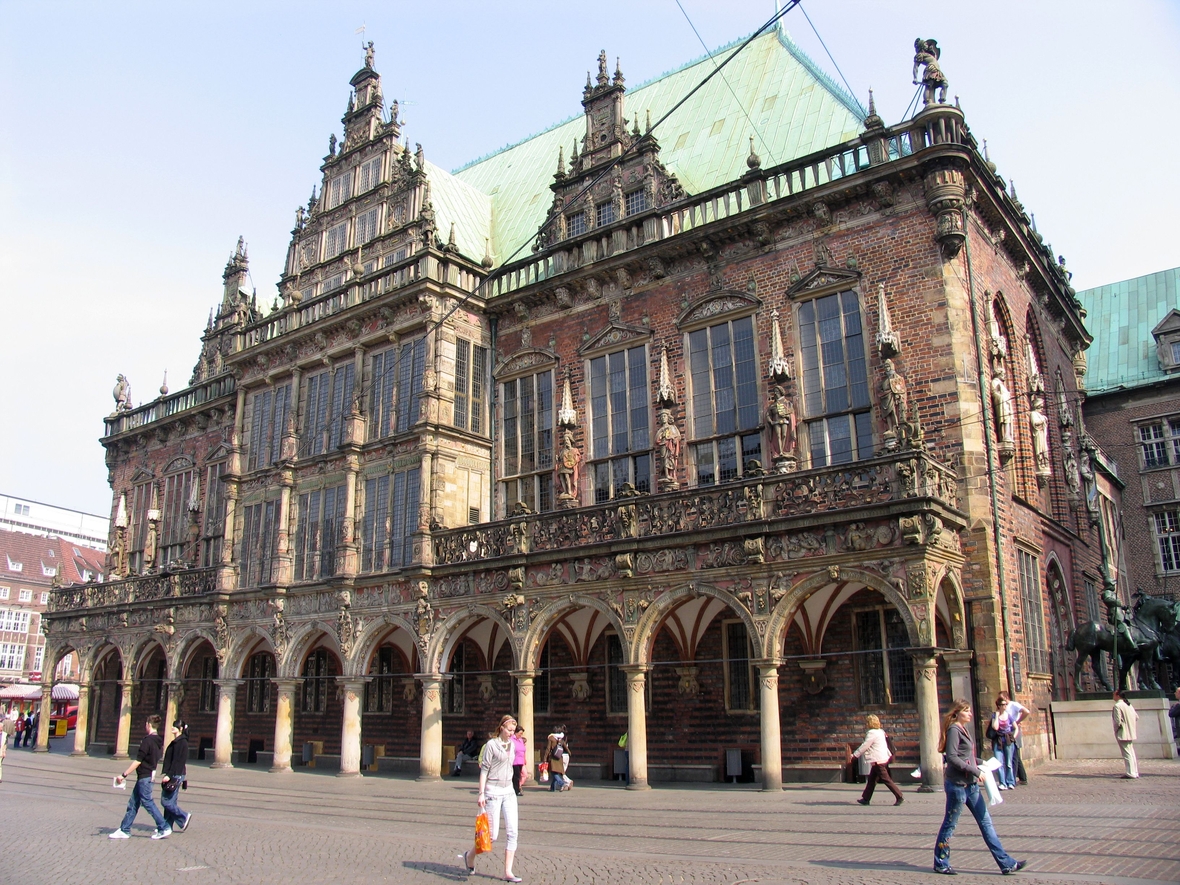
(1076, 822)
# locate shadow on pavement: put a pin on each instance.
(443, 871)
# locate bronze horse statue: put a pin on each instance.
(1091, 639)
(1164, 617)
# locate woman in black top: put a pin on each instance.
(175, 769)
(961, 780)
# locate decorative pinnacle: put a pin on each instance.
(873, 120)
(618, 73)
(649, 121)
(164, 386)
(753, 161)
(560, 161)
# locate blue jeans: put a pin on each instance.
(1006, 773)
(556, 781)
(956, 797)
(142, 796)
(172, 811)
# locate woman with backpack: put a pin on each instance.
(877, 751)
(175, 773)
(557, 754)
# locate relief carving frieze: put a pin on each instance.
(599, 568)
(491, 582)
(668, 560)
(454, 585)
(552, 576)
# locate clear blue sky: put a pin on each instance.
(140, 139)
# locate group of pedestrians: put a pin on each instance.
(173, 779)
(21, 728)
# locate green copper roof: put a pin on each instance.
(1121, 316)
(458, 203)
(795, 108)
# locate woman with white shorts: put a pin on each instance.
(496, 793)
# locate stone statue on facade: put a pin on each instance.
(122, 394)
(369, 54)
(1002, 402)
(1039, 423)
(668, 444)
(780, 419)
(926, 54)
(894, 399)
(569, 466)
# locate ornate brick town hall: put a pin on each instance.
(771, 424)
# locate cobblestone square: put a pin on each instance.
(1076, 822)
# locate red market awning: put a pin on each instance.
(20, 693)
(65, 691)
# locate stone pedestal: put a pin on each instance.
(1085, 729)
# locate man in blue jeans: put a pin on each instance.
(151, 748)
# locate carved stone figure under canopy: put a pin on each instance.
(569, 463)
(927, 53)
(894, 399)
(668, 442)
(1002, 401)
(1039, 424)
(780, 418)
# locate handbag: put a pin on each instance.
(544, 768)
(483, 833)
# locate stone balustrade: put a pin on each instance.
(141, 588)
(170, 404)
(893, 477)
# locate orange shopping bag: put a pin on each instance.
(483, 834)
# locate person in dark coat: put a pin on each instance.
(151, 748)
(175, 774)
(962, 778)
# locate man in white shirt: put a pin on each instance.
(1124, 717)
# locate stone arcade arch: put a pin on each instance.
(110, 695)
(488, 629)
(569, 681)
(811, 603)
(703, 604)
(53, 655)
(383, 663)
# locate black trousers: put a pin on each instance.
(880, 772)
(516, 778)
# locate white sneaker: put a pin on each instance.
(119, 834)
(187, 818)
(162, 834)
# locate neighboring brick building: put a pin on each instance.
(1133, 411)
(758, 437)
(30, 566)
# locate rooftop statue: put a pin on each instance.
(369, 54)
(122, 394)
(926, 52)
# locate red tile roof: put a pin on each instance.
(38, 555)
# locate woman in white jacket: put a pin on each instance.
(876, 750)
